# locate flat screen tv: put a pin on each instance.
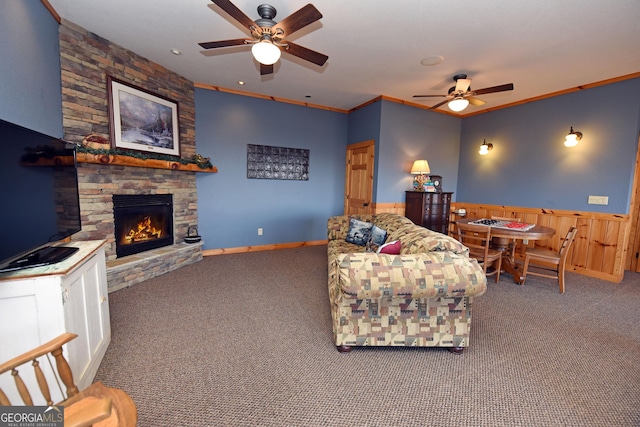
(39, 197)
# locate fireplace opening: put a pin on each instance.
(142, 222)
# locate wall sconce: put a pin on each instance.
(485, 148)
(420, 169)
(571, 140)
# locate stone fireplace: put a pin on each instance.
(86, 61)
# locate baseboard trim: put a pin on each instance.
(275, 246)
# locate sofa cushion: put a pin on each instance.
(378, 237)
(419, 240)
(359, 232)
(391, 248)
(368, 275)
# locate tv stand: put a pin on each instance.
(40, 257)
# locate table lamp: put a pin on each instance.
(420, 169)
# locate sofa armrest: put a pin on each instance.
(426, 275)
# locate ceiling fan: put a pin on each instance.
(461, 95)
(267, 36)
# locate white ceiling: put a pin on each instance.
(375, 47)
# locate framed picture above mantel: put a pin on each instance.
(141, 120)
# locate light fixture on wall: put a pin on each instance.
(485, 148)
(458, 104)
(571, 140)
(421, 170)
(265, 52)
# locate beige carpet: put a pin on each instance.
(245, 340)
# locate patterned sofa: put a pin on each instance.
(421, 297)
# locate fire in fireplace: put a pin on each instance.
(142, 222)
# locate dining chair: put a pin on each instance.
(478, 239)
(96, 405)
(548, 260)
(511, 248)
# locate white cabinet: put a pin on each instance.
(38, 304)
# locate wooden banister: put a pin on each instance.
(55, 348)
(45, 348)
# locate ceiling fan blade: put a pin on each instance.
(222, 43)
(306, 54)
(266, 69)
(475, 101)
(235, 13)
(429, 96)
(437, 105)
(462, 85)
(298, 20)
(493, 89)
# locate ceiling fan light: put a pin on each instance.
(265, 52)
(458, 104)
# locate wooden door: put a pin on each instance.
(632, 261)
(358, 187)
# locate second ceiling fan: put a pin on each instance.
(268, 36)
(461, 95)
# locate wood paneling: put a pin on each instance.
(600, 247)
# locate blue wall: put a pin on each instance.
(364, 125)
(403, 134)
(232, 207)
(408, 134)
(30, 85)
(530, 166)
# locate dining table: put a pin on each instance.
(502, 236)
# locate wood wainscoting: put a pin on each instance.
(600, 247)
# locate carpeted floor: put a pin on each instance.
(245, 340)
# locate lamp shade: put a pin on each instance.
(420, 167)
(266, 52)
(485, 148)
(571, 140)
(458, 104)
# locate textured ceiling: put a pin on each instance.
(375, 47)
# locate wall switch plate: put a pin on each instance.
(598, 200)
(259, 231)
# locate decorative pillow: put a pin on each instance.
(391, 248)
(359, 232)
(378, 237)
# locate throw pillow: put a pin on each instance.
(359, 232)
(391, 248)
(378, 237)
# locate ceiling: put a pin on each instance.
(376, 47)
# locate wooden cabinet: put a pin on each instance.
(38, 304)
(430, 210)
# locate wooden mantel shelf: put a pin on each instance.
(114, 159)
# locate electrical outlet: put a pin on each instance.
(598, 200)
(259, 231)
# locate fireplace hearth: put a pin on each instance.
(142, 222)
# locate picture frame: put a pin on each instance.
(142, 120)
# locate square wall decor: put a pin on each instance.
(267, 162)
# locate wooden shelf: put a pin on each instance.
(114, 159)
